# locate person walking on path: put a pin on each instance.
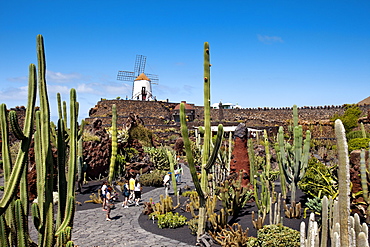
(166, 182)
(125, 193)
(131, 184)
(103, 191)
(109, 203)
(178, 173)
(137, 191)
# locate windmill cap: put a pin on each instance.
(142, 77)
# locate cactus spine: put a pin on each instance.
(112, 167)
(207, 159)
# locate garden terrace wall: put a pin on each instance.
(159, 115)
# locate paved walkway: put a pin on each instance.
(90, 228)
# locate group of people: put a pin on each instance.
(131, 192)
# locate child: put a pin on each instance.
(137, 191)
(125, 193)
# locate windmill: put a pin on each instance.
(142, 83)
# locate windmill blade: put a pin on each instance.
(152, 77)
(139, 64)
(125, 76)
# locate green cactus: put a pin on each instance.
(233, 196)
(343, 179)
(207, 158)
(172, 159)
(363, 168)
(112, 167)
(293, 160)
(13, 172)
(16, 234)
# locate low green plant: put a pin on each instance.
(358, 144)
(319, 180)
(314, 205)
(277, 236)
(171, 220)
(154, 178)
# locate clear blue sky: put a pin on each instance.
(263, 53)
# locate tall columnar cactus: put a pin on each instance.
(363, 168)
(42, 211)
(208, 159)
(294, 159)
(112, 167)
(344, 181)
(172, 159)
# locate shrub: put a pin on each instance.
(88, 136)
(144, 135)
(171, 220)
(319, 180)
(356, 134)
(154, 178)
(277, 236)
(358, 144)
(349, 118)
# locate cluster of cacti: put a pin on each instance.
(16, 210)
(344, 229)
(263, 183)
(259, 219)
(293, 211)
(231, 236)
(218, 220)
(233, 196)
(159, 157)
(164, 205)
(274, 216)
(208, 159)
(358, 233)
(293, 159)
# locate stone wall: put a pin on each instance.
(157, 115)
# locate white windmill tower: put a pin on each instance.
(142, 83)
